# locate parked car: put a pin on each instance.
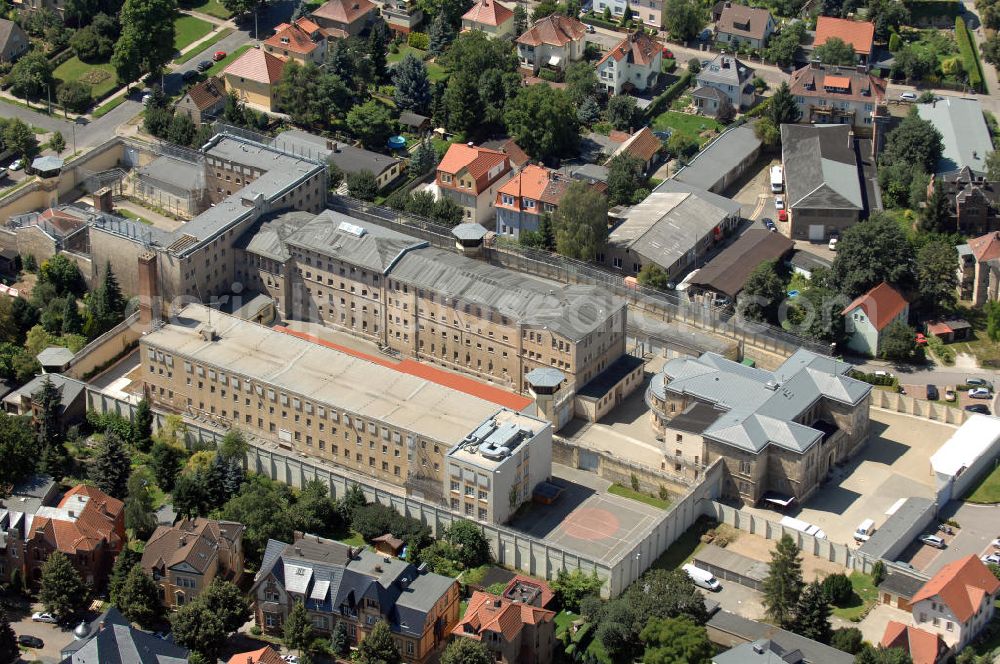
(204, 65)
(978, 382)
(3, 172)
(978, 408)
(591, 29)
(907, 96)
(41, 616)
(949, 393)
(979, 393)
(933, 540)
(29, 641)
(219, 55)
(769, 224)
(932, 393)
(17, 165)
(667, 53)
(782, 215)
(779, 202)
(189, 75)
(996, 543)
(993, 558)
(832, 246)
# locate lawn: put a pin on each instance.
(226, 61)
(354, 540)
(988, 491)
(222, 34)
(685, 547)
(104, 109)
(626, 492)
(435, 72)
(689, 125)
(865, 594)
(101, 77)
(210, 7)
(563, 621)
(188, 29)
(132, 215)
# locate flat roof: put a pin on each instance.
(976, 437)
(323, 374)
(898, 524)
(518, 429)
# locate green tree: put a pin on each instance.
(378, 647)
(106, 304)
(581, 221)
(61, 591)
(782, 47)
(835, 51)
(520, 19)
(683, 19)
(111, 466)
(543, 122)
(18, 449)
(625, 177)
(544, 9)
(471, 546)
(138, 599)
(362, 185)
(581, 82)
(298, 633)
(89, 46)
(424, 158)
(340, 640)
(588, 112)
(914, 142)
(412, 86)
(165, 462)
(466, 651)
(878, 573)
(812, 614)
(63, 274)
(991, 49)
(441, 34)
(262, 507)
(887, 15)
(782, 108)
(993, 321)
(31, 77)
(371, 123)
(652, 276)
(139, 517)
(198, 628)
(181, 130)
(571, 587)
(936, 275)
(838, 589)
(872, 252)
(123, 564)
(461, 102)
(225, 600)
(899, 341)
(242, 7)
(936, 215)
(71, 321)
(847, 639)
(378, 45)
(783, 583)
(18, 137)
(682, 146)
(146, 43)
(57, 143)
(676, 641)
(622, 112)
(878, 655)
(993, 166)
(316, 513)
(49, 425)
(9, 651)
(763, 293)
(142, 426)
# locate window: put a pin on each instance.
(617, 262)
(745, 467)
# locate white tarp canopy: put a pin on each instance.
(965, 447)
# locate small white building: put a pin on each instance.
(870, 314)
(496, 468)
(971, 451)
(957, 602)
(634, 64)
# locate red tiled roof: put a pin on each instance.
(986, 247)
(100, 519)
(478, 161)
(827, 82)
(642, 145)
(545, 592)
(961, 586)
(858, 34)
(637, 48)
(882, 304)
(554, 30)
(924, 647)
(61, 221)
(344, 11)
(257, 65)
(207, 93)
(839, 82)
(266, 655)
(530, 182)
(491, 613)
(433, 374)
(295, 37)
(488, 12)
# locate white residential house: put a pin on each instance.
(957, 602)
(731, 77)
(633, 64)
(870, 314)
(649, 12)
(552, 42)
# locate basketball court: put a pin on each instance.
(586, 518)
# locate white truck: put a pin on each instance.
(777, 180)
(865, 530)
(803, 527)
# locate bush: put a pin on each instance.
(847, 639)
(838, 589)
(886, 381)
(662, 101)
(74, 96)
(418, 40)
(970, 59)
(550, 75)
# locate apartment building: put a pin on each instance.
(650, 12)
(532, 192)
(431, 304)
(301, 40)
(184, 559)
(345, 409)
(357, 587)
(497, 466)
(778, 432)
(470, 176)
(957, 603)
(827, 94)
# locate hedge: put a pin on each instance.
(662, 101)
(970, 58)
(933, 8)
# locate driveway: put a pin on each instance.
(979, 527)
(873, 626)
(55, 637)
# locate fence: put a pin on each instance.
(901, 403)
(666, 306)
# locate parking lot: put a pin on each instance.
(55, 637)
(978, 528)
(894, 463)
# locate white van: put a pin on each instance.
(803, 527)
(777, 180)
(702, 578)
(865, 530)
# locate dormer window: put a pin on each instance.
(529, 203)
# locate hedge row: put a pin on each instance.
(970, 58)
(933, 8)
(662, 101)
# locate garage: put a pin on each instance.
(817, 232)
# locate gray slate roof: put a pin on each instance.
(813, 652)
(722, 156)
(674, 185)
(118, 643)
(70, 388)
(182, 174)
(821, 170)
(47, 163)
(7, 28)
(757, 407)
(347, 157)
(377, 248)
(726, 70)
(545, 377)
(964, 133)
(54, 356)
(762, 651)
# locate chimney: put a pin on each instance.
(814, 63)
(862, 69)
(149, 290)
(102, 200)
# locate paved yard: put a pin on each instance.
(586, 518)
(759, 548)
(873, 626)
(894, 463)
(55, 637)
(979, 527)
(754, 196)
(738, 599)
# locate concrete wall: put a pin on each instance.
(901, 403)
(106, 348)
(620, 470)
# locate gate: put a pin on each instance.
(589, 461)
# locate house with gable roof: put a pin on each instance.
(860, 35)
(739, 24)
(356, 586)
(633, 64)
(532, 192)
(552, 42)
(254, 77)
(302, 40)
(957, 602)
(203, 100)
(471, 176)
(490, 17)
(979, 269)
(514, 632)
(923, 647)
(344, 18)
(828, 94)
(869, 315)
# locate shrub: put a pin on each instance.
(418, 40)
(550, 75)
(967, 49)
(838, 589)
(74, 96)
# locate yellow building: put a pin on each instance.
(254, 78)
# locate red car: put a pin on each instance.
(667, 53)
(782, 215)
(219, 55)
